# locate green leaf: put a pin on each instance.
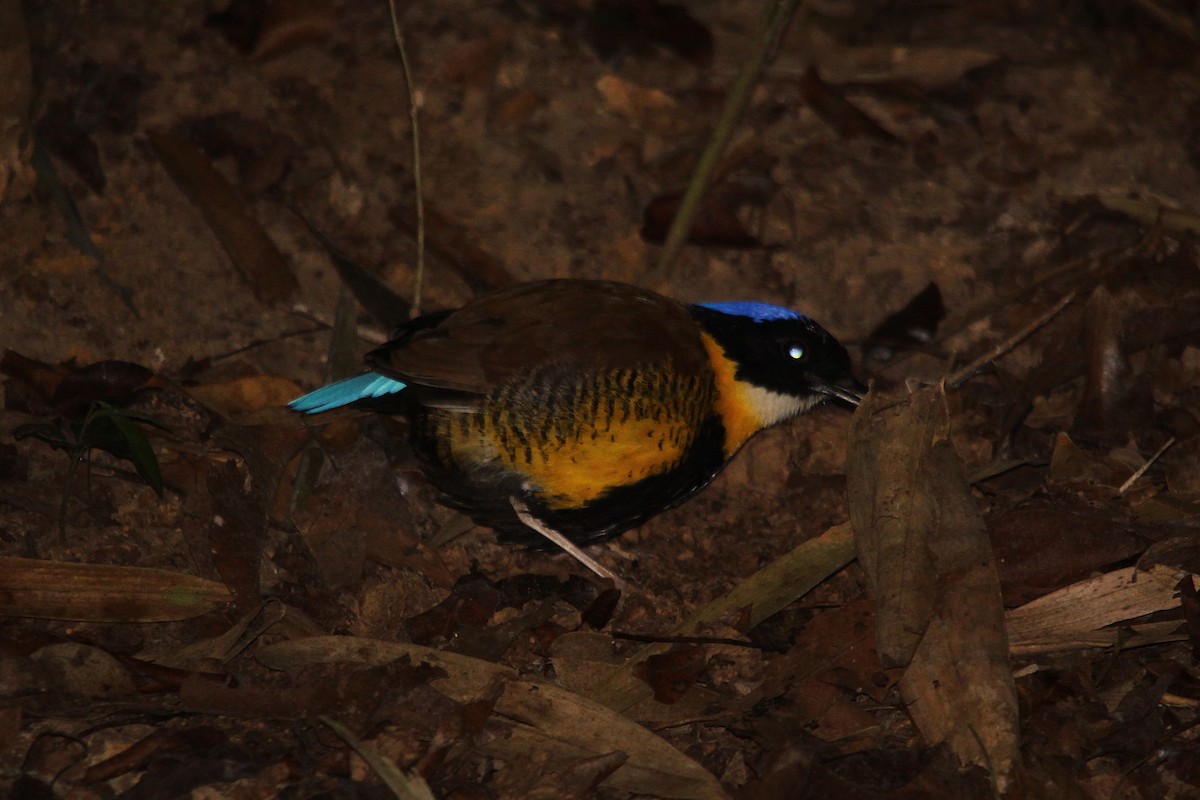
(140, 452)
(113, 431)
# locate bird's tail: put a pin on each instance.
(369, 385)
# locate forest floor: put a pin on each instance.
(926, 180)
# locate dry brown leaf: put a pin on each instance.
(831, 105)
(104, 593)
(289, 24)
(762, 594)
(202, 655)
(1149, 212)
(252, 252)
(584, 661)
(831, 665)
(1055, 539)
(543, 717)
(1110, 390)
(404, 785)
(893, 514)
(929, 66)
(631, 101)
(71, 669)
(924, 544)
(1078, 615)
(243, 395)
(16, 88)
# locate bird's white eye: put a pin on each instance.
(796, 352)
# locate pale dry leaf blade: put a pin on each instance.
(1077, 615)
(403, 785)
(104, 592)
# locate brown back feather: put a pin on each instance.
(593, 326)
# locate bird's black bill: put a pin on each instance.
(848, 391)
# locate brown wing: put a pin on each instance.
(589, 325)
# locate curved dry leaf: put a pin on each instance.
(254, 255)
(894, 513)
(404, 785)
(543, 717)
(764, 593)
(937, 592)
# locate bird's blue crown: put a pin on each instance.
(759, 312)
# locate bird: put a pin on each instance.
(589, 406)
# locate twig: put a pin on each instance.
(569, 547)
(237, 351)
(419, 279)
(778, 14)
(713, 640)
(1125, 487)
(368, 333)
(966, 373)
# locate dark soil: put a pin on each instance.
(1012, 154)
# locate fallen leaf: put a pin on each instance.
(237, 528)
(846, 119)
(1149, 212)
(929, 66)
(1054, 540)
(634, 103)
(540, 717)
(243, 395)
(71, 669)
(290, 24)
(104, 593)
(16, 89)
(673, 673)
(135, 757)
(895, 514)
(926, 551)
(716, 223)
(454, 244)
(472, 63)
(404, 785)
(254, 255)
(1079, 615)
(764, 593)
(1114, 400)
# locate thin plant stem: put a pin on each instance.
(774, 23)
(419, 279)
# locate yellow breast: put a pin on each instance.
(574, 443)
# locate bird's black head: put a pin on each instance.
(781, 351)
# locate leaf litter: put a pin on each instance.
(1001, 198)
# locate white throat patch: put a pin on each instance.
(774, 407)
